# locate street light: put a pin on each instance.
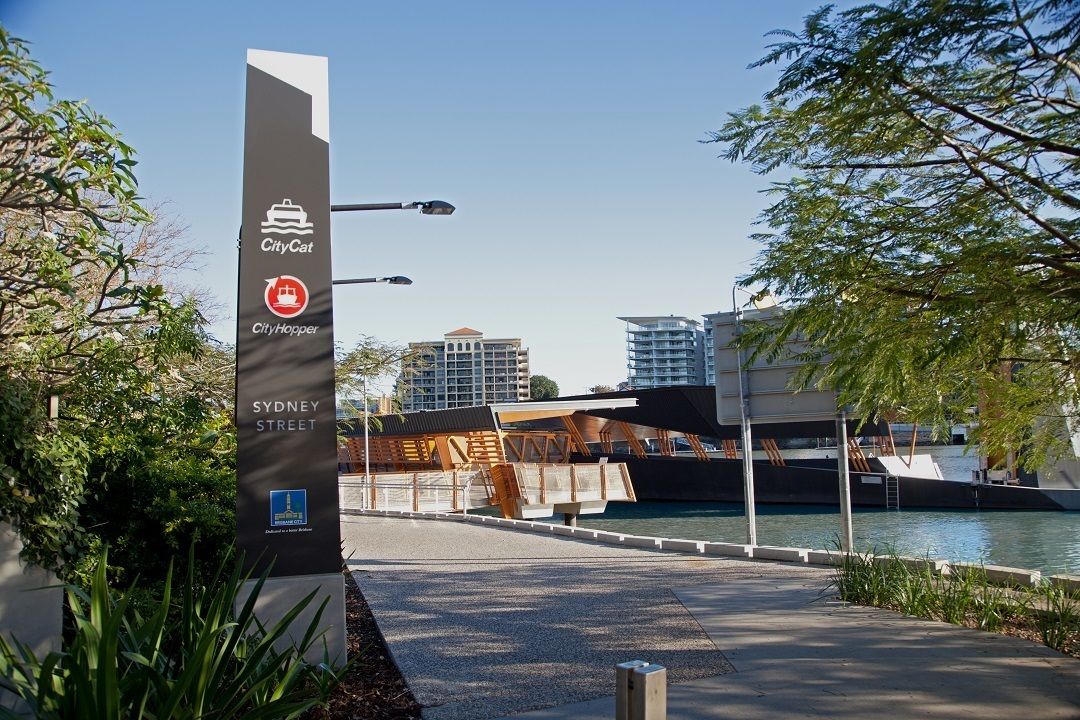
(426, 207)
(392, 280)
(744, 422)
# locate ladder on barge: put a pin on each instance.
(892, 492)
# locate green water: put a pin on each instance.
(1047, 540)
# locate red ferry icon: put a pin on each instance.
(285, 296)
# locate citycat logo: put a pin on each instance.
(286, 218)
(286, 296)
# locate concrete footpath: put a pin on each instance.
(486, 623)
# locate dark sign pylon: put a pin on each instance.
(287, 499)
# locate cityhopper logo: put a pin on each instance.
(286, 296)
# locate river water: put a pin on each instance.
(1036, 540)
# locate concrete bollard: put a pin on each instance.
(640, 691)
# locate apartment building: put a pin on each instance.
(664, 350)
(710, 350)
(464, 369)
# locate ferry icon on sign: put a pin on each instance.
(286, 296)
(287, 218)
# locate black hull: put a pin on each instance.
(815, 483)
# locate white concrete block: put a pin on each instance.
(608, 537)
(693, 546)
(726, 549)
(562, 530)
(1069, 583)
(823, 557)
(999, 574)
(537, 527)
(32, 600)
(583, 532)
(279, 595)
(640, 541)
(458, 517)
(787, 554)
(919, 564)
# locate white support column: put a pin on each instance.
(846, 536)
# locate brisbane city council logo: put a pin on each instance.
(286, 295)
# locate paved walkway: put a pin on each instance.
(486, 622)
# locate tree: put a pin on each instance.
(83, 314)
(925, 238)
(542, 387)
(370, 360)
(596, 389)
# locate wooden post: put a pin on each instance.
(626, 482)
(453, 497)
(415, 492)
(543, 487)
(573, 483)
(374, 495)
(603, 481)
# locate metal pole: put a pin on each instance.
(367, 451)
(747, 442)
(846, 539)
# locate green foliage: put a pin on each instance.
(542, 387)
(146, 399)
(42, 474)
(67, 284)
(962, 597)
(596, 389)
(367, 362)
(206, 661)
(926, 239)
(161, 439)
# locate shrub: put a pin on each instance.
(202, 661)
(965, 598)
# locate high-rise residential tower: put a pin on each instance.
(464, 369)
(664, 350)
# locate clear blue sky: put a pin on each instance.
(566, 133)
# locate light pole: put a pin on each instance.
(390, 280)
(744, 422)
(426, 207)
(762, 301)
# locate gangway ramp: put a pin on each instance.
(428, 491)
(520, 490)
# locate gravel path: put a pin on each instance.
(486, 622)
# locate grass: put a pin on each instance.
(1044, 611)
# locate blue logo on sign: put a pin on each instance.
(288, 507)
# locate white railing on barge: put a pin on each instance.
(429, 491)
